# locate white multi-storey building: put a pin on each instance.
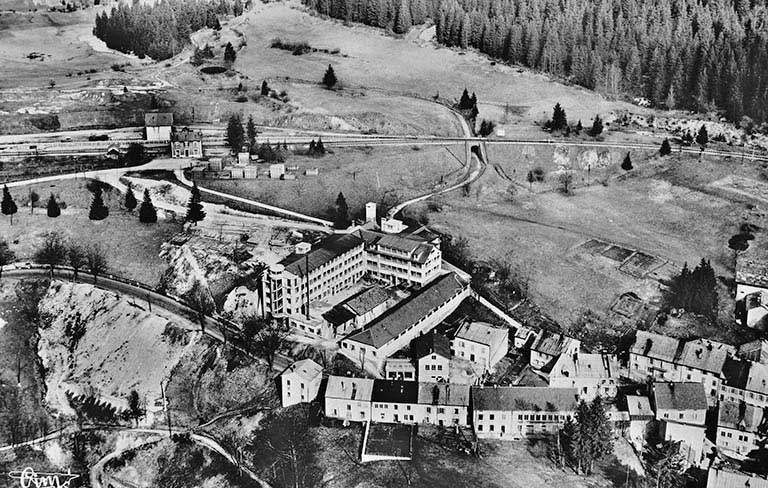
(481, 343)
(590, 374)
(348, 398)
(737, 427)
(300, 382)
(396, 258)
(681, 409)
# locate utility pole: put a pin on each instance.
(167, 411)
(149, 302)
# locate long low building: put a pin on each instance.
(518, 412)
(396, 401)
(417, 315)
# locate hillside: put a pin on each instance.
(97, 342)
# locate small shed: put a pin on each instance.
(276, 170)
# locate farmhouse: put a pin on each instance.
(158, 126)
(737, 427)
(653, 355)
(548, 346)
(444, 403)
(518, 412)
(416, 315)
(681, 409)
(300, 382)
(187, 143)
(590, 374)
(348, 398)
(481, 343)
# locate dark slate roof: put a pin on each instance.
(443, 394)
(705, 355)
(357, 305)
(510, 398)
(338, 315)
(415, 247)
(656, 346)
(388, 326)
(367, 300)
(320, 254)
(735, 372)
(395, 391)
(158, 119)
(187, 135)
(739, 416)
(550, 343)
(680, 396)
(431, 343)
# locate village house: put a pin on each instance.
(519, 412)
(548, 346)
(348, 398)
(481, 343)
(433, 357)
(737, 425)
(641, 420)
(444, 404)
(667, 359)
(158, 126)
(744, 381)
(355, 312)
(653, 355)
(417, 315)
(756, 351)
(186, 143)
(300, 382)
(681, 410)
(394, 401)
(590, 374)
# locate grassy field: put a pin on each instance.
(132, 247)
(362, 174)
(437, 463)
(658, 208)
(370, 58)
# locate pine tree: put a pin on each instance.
(195, 212)
(264, 88)
(404, 21)
(664, 463)
(665, 149)
(319, 147)
(251, 132)
(559, 120)
(147, 212)
(597, 127)
(702, 138)
(229, 53)
(626, 165)
(53, 207)
(235, 133)
(98, 210)
(312, 148)
(130, 200)
(8, 206)
(341, 220)
(329, 78)
(464, 102)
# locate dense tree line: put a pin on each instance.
(679, 54)
(160, 30)
(694, 291)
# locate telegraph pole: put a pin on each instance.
(167, 411)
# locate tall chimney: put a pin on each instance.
(306, 269)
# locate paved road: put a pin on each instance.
(165, 306)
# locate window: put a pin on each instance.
(349, 407)
(680, 416)
(491, 417)
(479, 416)
(442, 410)
(480, 428)
(491, 427)
(288, 382)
